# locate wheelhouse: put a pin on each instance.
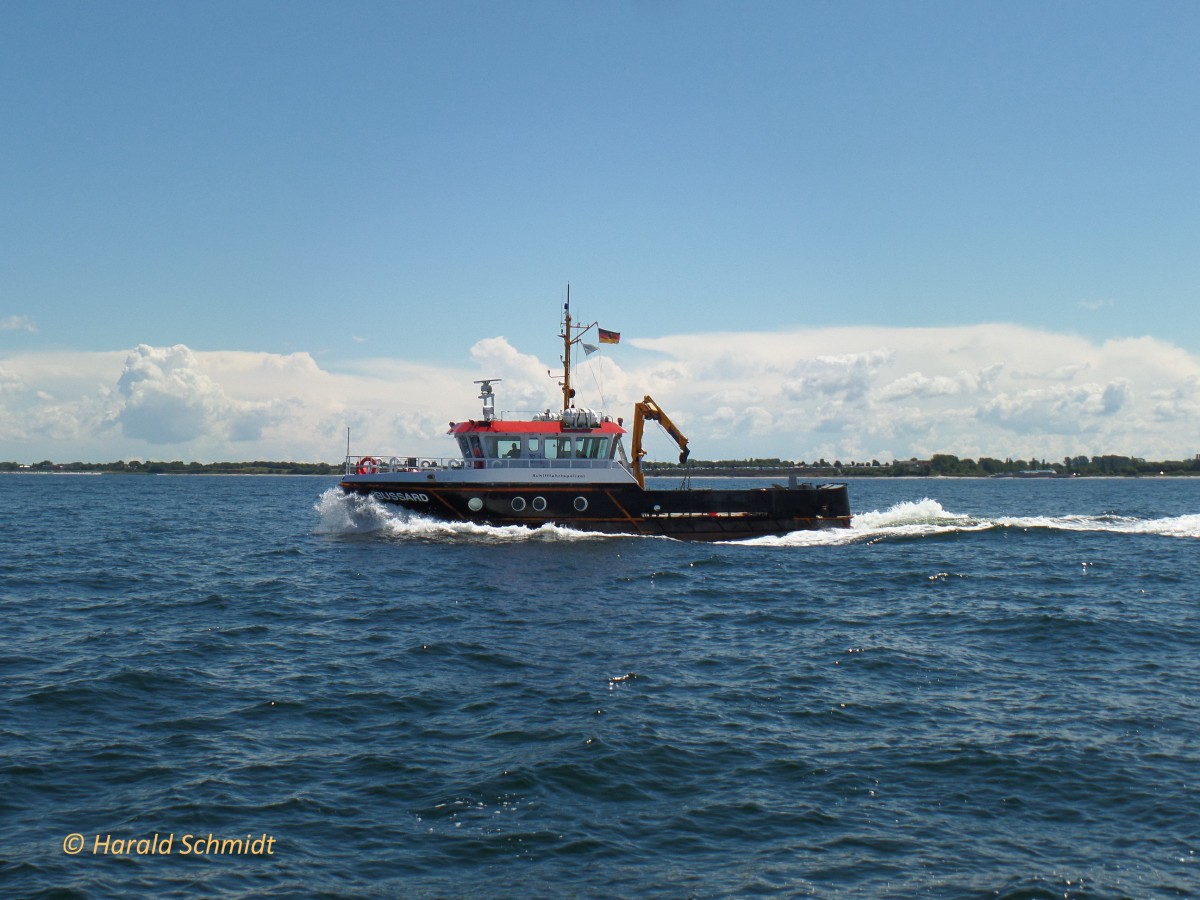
(540, 442)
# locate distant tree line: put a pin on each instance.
(940, 464)
(943, 464)
(177, 467)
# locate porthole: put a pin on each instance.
(581, 503)
(539, 503)
(475, 504)
(518, 504)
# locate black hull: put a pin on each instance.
(699, 514)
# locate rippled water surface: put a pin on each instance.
(985, 688)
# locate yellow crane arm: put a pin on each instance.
(648, 409)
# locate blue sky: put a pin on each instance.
(353, 189)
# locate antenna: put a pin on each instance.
(488, 396)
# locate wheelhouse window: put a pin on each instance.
(593, 448)
(525, 446)
(470, 446)
(501, 447)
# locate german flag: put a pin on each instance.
(609, 337)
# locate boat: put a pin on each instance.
(569, 467)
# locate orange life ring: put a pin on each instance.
(368, 465)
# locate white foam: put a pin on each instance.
(342, 513)
(1174, 526)
(921, 513)
(910, 518)
(929, 517)
(406, 524)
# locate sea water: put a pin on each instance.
(254, 686)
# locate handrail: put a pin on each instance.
(372, 465)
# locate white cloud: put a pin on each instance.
(848, 393)
(922, 386)
(995, 390)
(1177, 403)
(528, 385)
(167, 401)
(1059, 409)
(847, 375)
(18, 323)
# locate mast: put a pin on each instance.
(566, 336)
(567, 391)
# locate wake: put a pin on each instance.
(351, 514)
(1175, 526)
(908, 519)
(928, 518)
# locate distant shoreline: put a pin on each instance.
(175, 467)
(895, 470)
(39, 473)
(944, 465)
(860, 473)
